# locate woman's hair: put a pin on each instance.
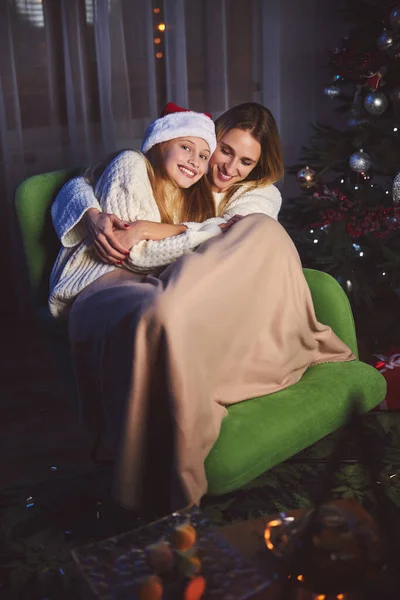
(193, 204)
(259, 122)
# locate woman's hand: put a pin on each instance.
(225, 226)
(101, 230)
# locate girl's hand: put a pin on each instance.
(101, 230)
(225, 226)
(138, 231)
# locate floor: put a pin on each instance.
(39, 428)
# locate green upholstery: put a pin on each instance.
(255, 435)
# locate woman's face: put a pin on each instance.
(185, 160)
(236, 156)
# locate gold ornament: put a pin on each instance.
(306, 178)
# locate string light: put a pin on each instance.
(159, 55)
(161, 27)
(157, 40)
(395, 128)
(315, 241)
(342, 181)
(156, 10)
(311, 230)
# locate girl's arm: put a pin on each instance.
(150, 253)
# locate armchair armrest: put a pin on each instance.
(332, 306)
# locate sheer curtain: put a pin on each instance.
(81, 78)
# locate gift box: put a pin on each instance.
(389, 366)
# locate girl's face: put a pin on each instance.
(185, 160)
(236, 156)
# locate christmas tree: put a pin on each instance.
(346, 220)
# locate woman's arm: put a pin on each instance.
(77, 215)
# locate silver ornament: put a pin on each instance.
(332, 91)
(376, 103)
(360, 161)
(395, 18)
(385, 40)
(306, 178)
(396, 189)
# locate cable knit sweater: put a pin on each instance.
(125, 190)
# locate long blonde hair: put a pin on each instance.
(260, 123)
(193, 204)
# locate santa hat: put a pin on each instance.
(176, 122)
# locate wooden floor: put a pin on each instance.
(38, 421)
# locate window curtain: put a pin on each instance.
(82, 78)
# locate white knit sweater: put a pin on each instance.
(125, 190)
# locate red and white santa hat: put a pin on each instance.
(176, 122)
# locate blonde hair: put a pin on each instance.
(194, 204)
(260, 123)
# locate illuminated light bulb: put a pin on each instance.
(361, 254)
(395, 128)
(311, 230)
(387, 191)
(315, 241)
(342, 181)
(159, 55)
(300, 578)
(156, 10)
(157, 40)
(356, 187)
(161, 27)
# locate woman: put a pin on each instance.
(160, 356)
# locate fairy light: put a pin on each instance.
(267, 532)
(161, 26)
(159, 55)
(156, 10)
(395, 128)
(157, 40)
(315, 241)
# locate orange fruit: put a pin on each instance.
(151, 589)
(195, 588)
(183, 537)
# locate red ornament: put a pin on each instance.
(389, 366)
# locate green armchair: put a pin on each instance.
(255, 435)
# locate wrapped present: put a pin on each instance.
(389, 366)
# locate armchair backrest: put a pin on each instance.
(33, 200)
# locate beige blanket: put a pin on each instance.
(159, 357)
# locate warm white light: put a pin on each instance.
(161, 27)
